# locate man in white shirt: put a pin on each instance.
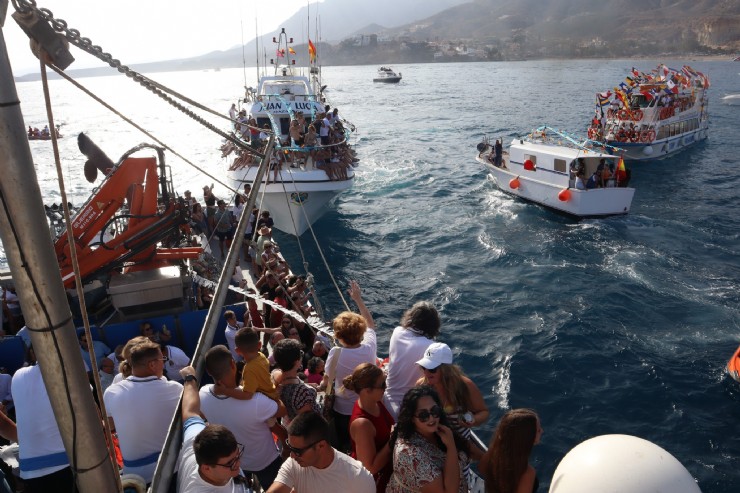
(232, 327)
(210, 455)
(315, 466)
(44, 465)
(247, 419)
(140, 409)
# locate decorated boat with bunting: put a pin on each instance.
(557, 170)
(314, 161)
(653, 114)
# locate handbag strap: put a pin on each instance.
(331, 373)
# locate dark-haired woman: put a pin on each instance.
(505, 467)
(427, 456)
(296, 395)
(370, 424)
(419, 326)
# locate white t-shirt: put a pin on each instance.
(230, 333)
(38, 433)
(188, 477)
(116, 362)
(177, 361)
(142, 408)
(247, 421)
(406, 348)
(344, 474)
(348, 361)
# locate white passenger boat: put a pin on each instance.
(299, 193)
(386, 74)
(544, 168)
(651, 115)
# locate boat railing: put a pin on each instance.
(549, 135)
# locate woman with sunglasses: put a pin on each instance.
(428, 457)
(505, 466)
(370, 424)
(462, 400)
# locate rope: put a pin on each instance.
(76, 268)
(318, 246)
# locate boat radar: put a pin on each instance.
(621, 464)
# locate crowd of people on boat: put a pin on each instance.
(320, 143)
(403, 424)
(44, 133)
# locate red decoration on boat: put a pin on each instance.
(529, 165)
(564, 195)
(514, 183)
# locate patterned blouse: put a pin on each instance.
(297, 395)
(416, 462)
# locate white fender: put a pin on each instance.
(621, 464)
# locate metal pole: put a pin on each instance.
(30, 252)
(166, 463)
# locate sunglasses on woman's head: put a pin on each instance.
(424, 414)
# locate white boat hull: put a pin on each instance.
(582, 203)
(635, 151)
(297, 199)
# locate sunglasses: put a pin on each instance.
(383, 385)
(424, 414)
(235, 461)
(300, 451)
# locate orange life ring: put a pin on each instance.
(644, 136)
(637, 115)
(635, 137)
(651, 135)
(622, 114)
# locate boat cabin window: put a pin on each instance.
(262, 121)
(531, 158)
(639, 101)
(560, 165)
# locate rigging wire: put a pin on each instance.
(78, 283)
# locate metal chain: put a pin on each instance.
(85, 44)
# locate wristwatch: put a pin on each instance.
(190, 378)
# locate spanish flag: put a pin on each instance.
(291, 50)
(311, 51)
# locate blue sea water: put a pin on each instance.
(618, 325)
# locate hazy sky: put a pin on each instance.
(136, 31)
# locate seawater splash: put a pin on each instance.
(503, 386)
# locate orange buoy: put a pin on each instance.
(564, 195)
(733, 366)
(529, 165)
(514, 183)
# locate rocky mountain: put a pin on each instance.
(644, 24)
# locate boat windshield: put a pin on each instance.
(639, 101)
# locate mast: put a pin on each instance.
(30, 253)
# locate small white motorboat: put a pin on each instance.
(386, 74)
(556, 170)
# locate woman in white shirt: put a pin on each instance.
(356, 334)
